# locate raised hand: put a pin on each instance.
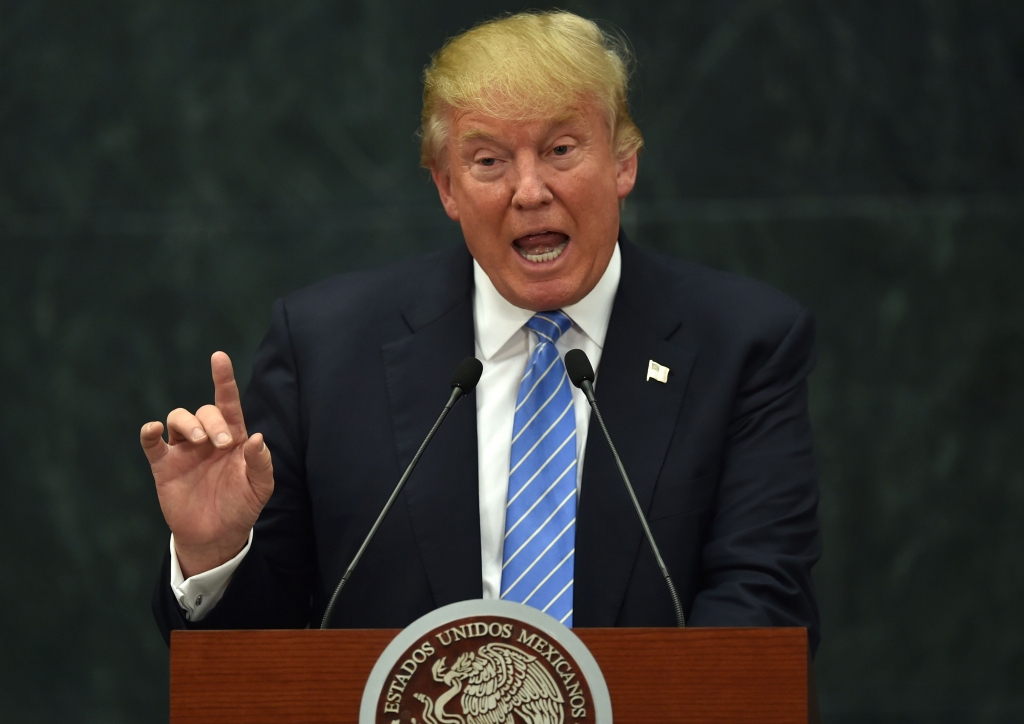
(212, 479)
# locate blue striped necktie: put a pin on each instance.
(540, 516)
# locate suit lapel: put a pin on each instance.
(641, 417)
(442, 496)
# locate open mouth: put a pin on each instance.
(542, 247)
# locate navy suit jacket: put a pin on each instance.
(354, 371)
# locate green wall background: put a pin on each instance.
(167, 169)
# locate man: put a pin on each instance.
(528, 139)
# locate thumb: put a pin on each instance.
(258, 466)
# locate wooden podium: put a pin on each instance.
(653, 675)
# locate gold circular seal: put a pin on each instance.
(486, 662)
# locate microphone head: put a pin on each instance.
(467, 374)
(577, 364)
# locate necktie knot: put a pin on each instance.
(549, 326)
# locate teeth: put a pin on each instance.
(546, 256)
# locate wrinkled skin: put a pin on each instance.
(538, 200)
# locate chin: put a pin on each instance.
(544, 296)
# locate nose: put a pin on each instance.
(531, 190)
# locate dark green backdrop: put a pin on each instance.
(168, 168)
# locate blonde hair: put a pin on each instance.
(526, 66)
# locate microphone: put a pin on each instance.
(581, 373)
(467, 374)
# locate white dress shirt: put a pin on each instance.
(503, 345)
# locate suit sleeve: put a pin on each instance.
(764, 537)
(273, 584)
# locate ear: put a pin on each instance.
(625, 174)
(443, 182)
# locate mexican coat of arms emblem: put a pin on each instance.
(486, 662)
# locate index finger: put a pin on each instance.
(225, 390)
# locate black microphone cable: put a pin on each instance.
(463, 381)
(581, 373)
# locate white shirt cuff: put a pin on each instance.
(200, 593)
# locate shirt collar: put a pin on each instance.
(497, 319)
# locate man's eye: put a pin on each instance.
(487, 161)
(560, 150)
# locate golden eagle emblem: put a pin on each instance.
(500, 684)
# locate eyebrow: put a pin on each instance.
(477, 134)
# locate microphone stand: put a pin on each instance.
(460, 386)
(577, 359)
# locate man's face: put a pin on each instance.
(538, 201)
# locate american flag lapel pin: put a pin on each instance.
(657, 372)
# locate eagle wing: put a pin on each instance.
(538, 700)
(505, 679)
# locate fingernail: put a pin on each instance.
(263, 446)
(198, 434)
(223, 438)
